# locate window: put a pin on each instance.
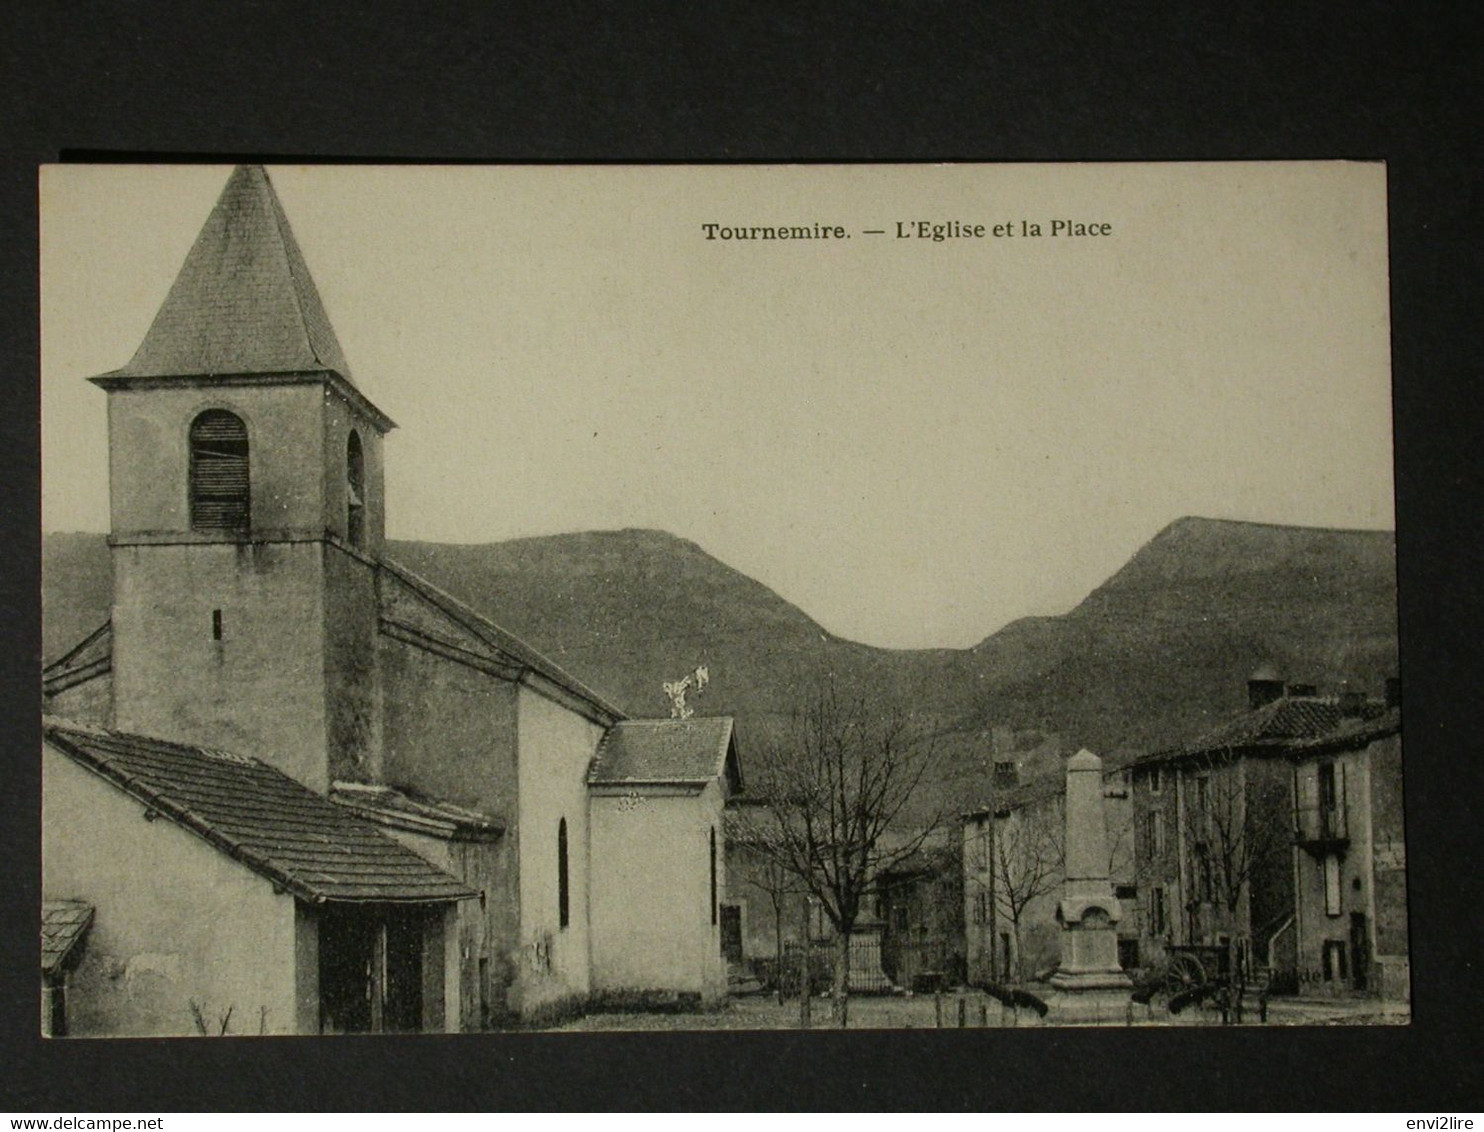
(1331, 885)
(220, 493)
(1203, 794)
(355, 491)
(562, 894)
(1155, 782)
(1327, 786)
(1005, 773)
(1154, 833)
(1157, 921)
(713, 874)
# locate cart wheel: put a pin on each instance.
(1185, 972)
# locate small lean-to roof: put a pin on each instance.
(400, 810)
(64, 923)
(243, 301)
(90, 657)
(258, 815)
(688, 752)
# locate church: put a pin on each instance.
(290, 786)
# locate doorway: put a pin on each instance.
(731, 933)
(1359, 951)
(370, 970)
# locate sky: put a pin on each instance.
(914, 441)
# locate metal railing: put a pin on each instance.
(1321, 823)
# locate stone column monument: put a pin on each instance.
(1088, 911)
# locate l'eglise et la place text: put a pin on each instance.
(938, 231)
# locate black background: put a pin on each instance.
(763, 82)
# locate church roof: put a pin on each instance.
(244, 301)
(688, 752)
(258, 815)
(411, 602)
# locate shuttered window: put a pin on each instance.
(219, 487)
(355, 491)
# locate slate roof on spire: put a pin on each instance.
(244, 301)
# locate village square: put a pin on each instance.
(298, 779)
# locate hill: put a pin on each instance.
(1156, 653)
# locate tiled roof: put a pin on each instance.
(244, 301)
(411, 599)
(1289, 725)
(63, 925)
(389, 807)
(681, 751)
(260, 816)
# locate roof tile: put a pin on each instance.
(273, 824)
(63, 925)
(682, 751)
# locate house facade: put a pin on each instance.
(1279, 835)
(255, 611)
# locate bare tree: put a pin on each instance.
(1235, 836)
(1028, 860)
(843, 800)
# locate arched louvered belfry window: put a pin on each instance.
(355, 490)
(562, 893)
(221, 495)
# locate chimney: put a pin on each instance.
(1303, 690)
(1393, 691)
(1263, 687)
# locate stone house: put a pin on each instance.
(255, 611)
(1279, 833)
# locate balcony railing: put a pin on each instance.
(1321, 825)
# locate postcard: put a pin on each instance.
(718, 597)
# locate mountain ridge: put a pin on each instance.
(1158, 650)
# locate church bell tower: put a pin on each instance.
(247, 516)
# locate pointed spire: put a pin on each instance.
(243, 301)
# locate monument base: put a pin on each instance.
(1091, 1006)
(1091, 980)
(1089, 956)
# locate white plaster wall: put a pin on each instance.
(652, 928)
(554, 748)
(176, 920)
